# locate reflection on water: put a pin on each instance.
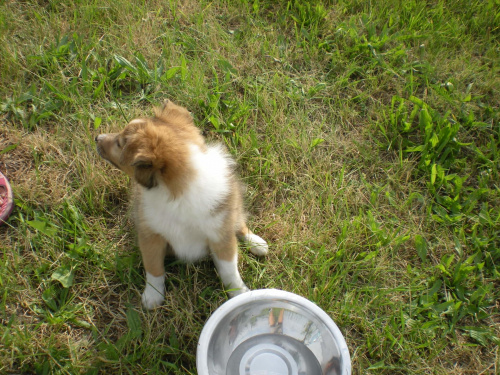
(305, 361)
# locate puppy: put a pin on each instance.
(186, 199)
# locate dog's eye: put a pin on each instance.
(118, 142)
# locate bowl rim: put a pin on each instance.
(263, 295)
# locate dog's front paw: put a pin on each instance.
(258, 246)
(237, 292)
(154, 293)
(152, 298)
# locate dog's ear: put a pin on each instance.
(172, 112)
(164, 110)
(144, 172)
(164, 105)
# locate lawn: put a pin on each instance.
(367, 134)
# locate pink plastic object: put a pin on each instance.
(6, 199)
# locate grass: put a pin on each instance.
(367, 134)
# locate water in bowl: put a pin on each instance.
(272, 354)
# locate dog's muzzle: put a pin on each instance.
(98, 146)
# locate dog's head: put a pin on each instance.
(153, 149)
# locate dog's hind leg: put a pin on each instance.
(256, 244)
(225, 257)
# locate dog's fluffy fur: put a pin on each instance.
(187, 199)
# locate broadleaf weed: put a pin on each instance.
(459, 290)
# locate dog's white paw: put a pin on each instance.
(258, 246)
(154, 293)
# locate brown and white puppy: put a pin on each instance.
(187, 197)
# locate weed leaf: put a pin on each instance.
(421, 246)
(481, 335)
(378, 365)
(49, 297)
(97, 122)
(134, 323)
(8, 148)
(64, 275)
(172, 72)
(122, 61)
(43, 227)
(316, 142)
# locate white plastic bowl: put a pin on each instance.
(271, 332)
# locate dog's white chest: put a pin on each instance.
(187, 222)
(185, 234)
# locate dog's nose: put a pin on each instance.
(95, 139)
